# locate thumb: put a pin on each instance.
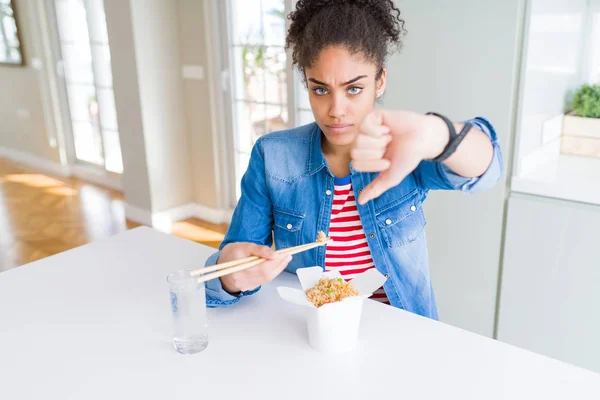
(403, 165)
(376, 188)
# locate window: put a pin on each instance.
(10, 48)
(263, 98)
(85, 52)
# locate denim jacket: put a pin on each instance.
(287, 197)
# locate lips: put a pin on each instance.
(339, 128)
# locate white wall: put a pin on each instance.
(156, 35)
(173, 113)
(460, 59)
(193, 45)
(136, 182)
(550, 295)
(150, 94)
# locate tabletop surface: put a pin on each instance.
(94, 323)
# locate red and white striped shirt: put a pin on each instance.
(349, 253)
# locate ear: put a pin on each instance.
(381, 82)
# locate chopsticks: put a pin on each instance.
(227, 268)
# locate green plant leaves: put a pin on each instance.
(586, 102)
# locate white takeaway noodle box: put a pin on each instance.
(333, 327)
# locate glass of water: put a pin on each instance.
(188, 304)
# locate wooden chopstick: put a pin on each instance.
(240, 265)
(216, 267)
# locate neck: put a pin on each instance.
(338, 152)
(338, 157)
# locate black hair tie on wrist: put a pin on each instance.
(455, 139)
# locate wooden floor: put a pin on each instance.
(41, 215)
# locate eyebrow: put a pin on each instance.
(343, 84)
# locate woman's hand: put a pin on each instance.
(395, 142)
(252, 277)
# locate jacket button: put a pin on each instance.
(290, 226)
(359, 191)
(388, 221)
(386, 275)
(413, 208)
(372, 236)
(328, 192)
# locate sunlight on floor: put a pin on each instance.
(61, 191)
(42, 215)
(33, 180)
(196, 233)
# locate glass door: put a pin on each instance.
(85, 68)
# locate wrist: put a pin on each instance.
(438, 137)
(229, 289)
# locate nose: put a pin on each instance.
(338, 106)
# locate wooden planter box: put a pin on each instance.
(580, 136)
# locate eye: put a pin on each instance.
(354, 90)
(320, 91)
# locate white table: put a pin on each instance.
(95, 323)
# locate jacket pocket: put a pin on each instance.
(288, 228)
(401, 222)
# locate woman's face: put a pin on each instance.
(342, 91)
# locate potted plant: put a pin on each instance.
(581, 126)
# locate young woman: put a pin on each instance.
(359, 175)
